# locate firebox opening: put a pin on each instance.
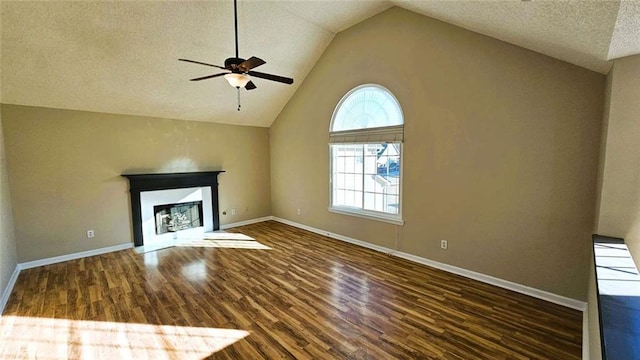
(176, 217)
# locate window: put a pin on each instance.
(365, 144)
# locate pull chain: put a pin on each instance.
(238, 98)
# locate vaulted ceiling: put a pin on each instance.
(122, 57)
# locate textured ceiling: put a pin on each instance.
(121, 57)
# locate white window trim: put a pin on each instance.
(357, 212)
(394, 133)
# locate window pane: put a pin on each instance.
(349, 165)
(369, 201)
(359, 164)
(349, 198)
(358, 178)
(340, 163)
(379, 184)
(377, 201)
(370, 164)
(369, 183)
(391, 204)
(339, 197)
(382, 165)
(349, 183)
(358, 199)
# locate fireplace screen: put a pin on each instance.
(176, 217)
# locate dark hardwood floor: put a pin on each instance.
(307, 297)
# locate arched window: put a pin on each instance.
(365, 142)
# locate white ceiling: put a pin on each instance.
(121, 57)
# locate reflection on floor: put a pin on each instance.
(46, 338)
(218, 239)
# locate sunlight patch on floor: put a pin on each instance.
(227, 244)
(226, 236)
(218, 239)
(46, 338)
(224, 240)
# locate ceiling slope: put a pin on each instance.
(578, 32)
(122, 57)
(625, 40)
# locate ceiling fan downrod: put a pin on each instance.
(235, 23)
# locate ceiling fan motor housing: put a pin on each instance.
(232, 63)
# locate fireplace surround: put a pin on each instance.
(166, 181)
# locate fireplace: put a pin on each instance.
(176, 217)
(174, 182)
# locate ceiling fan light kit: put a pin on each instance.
(239, 71)
(237, 80)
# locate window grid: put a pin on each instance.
(366, 176)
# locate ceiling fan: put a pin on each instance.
(239, 71)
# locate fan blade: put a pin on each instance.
(252, 62)
(250, 85)
(277, 78)
(201, 63)
(208, 77)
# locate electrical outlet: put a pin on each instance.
(299, 211)
(444, 244)
(233, 211)
(90, 234)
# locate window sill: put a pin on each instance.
(366, 215)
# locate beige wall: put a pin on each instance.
(603, 148)
(594, 345)
(8, 255)
(500, 155)
(619, 214)
(65, 166)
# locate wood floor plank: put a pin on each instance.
(308, 297)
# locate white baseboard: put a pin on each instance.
(246, 222)
(78, 255)
(540, 294)
(505, 284)
(334, 235)
(83, 254)
(7, 291)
